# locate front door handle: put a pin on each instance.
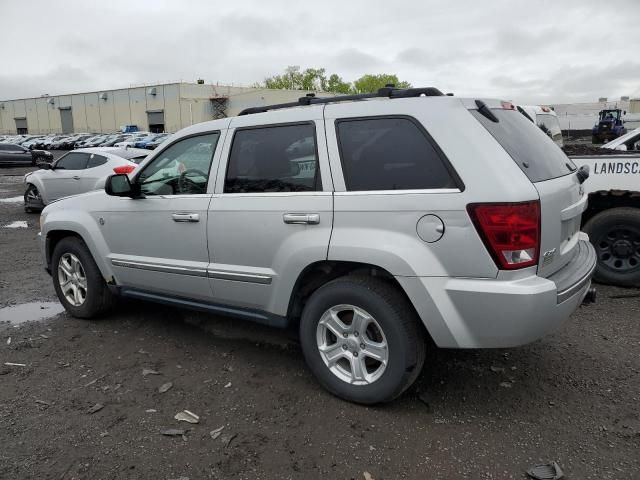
(301, 218)
(185, 217)
(76, 177)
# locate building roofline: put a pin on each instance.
(146, 85)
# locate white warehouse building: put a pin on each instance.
(164, 107)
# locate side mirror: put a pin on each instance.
(622, 147)
(44, 166)
(119, 186)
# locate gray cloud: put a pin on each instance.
(529, 51)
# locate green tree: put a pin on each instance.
(335, 84)
(315, 79)
(370, 83)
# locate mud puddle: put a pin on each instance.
(30, 312)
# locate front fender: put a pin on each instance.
(84, 225)
(36, 181)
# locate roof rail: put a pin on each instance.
(388, 91)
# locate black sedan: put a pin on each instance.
(12, 155)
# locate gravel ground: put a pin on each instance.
(572, 397)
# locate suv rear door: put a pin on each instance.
(562, 198)
(272, 212)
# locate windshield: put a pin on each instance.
(534, 152)
(610, 114)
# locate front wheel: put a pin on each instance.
(615, 234)
(32, 199)
(78, 281)
(362, 339)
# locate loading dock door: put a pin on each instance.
(21, 126)
(156, 121)
(66, 119)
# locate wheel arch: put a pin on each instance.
(56, 231)
(602, 200)
(319, 273)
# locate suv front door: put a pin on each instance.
(273, 210)
(158, 244)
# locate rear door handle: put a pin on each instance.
(76, 177)
(185, 217)
(301, 218)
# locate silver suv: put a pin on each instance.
(376, 226)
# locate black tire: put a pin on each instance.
(595, 140)
(98, 299)
(615, 234)
(398, 321)
(30, 205)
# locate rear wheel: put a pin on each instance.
(78, 281)
(362, 339)
(615, 235)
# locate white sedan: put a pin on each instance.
(78, 171)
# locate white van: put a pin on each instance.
(545, 118)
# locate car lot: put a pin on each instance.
(571, 397)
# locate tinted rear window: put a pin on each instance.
(390, 154)
(534, 152)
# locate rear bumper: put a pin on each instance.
(494, 313)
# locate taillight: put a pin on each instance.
(124, 169)
(510, 231)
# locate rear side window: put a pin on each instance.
(96, 161)
(273, 159)
(390, 153)
(73, 161)
(534, 152)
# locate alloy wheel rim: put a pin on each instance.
(33, 194)
(619, 249)
(352, 344)
(72, 279)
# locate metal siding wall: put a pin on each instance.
(156, 102)
(94, 122)
(138, 104)
(121, 107)
(32, 115)
(43, 116)
(79, 114)
(172, 108)
(107, 112)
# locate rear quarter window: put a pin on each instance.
(533, 151)
(391, 153)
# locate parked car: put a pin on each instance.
(31, 143)
(77, 172)
(546, 119)
(153, 144)
(142, 142)
(387, 236)
(113, 139)
(131, 141)
(12, 155)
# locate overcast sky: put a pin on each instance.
(533, 51)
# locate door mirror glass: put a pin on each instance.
(118, 186)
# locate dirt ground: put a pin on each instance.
(572, 397)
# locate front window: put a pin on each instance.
(73, 161)
(181, 169)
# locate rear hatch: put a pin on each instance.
(562, 198)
